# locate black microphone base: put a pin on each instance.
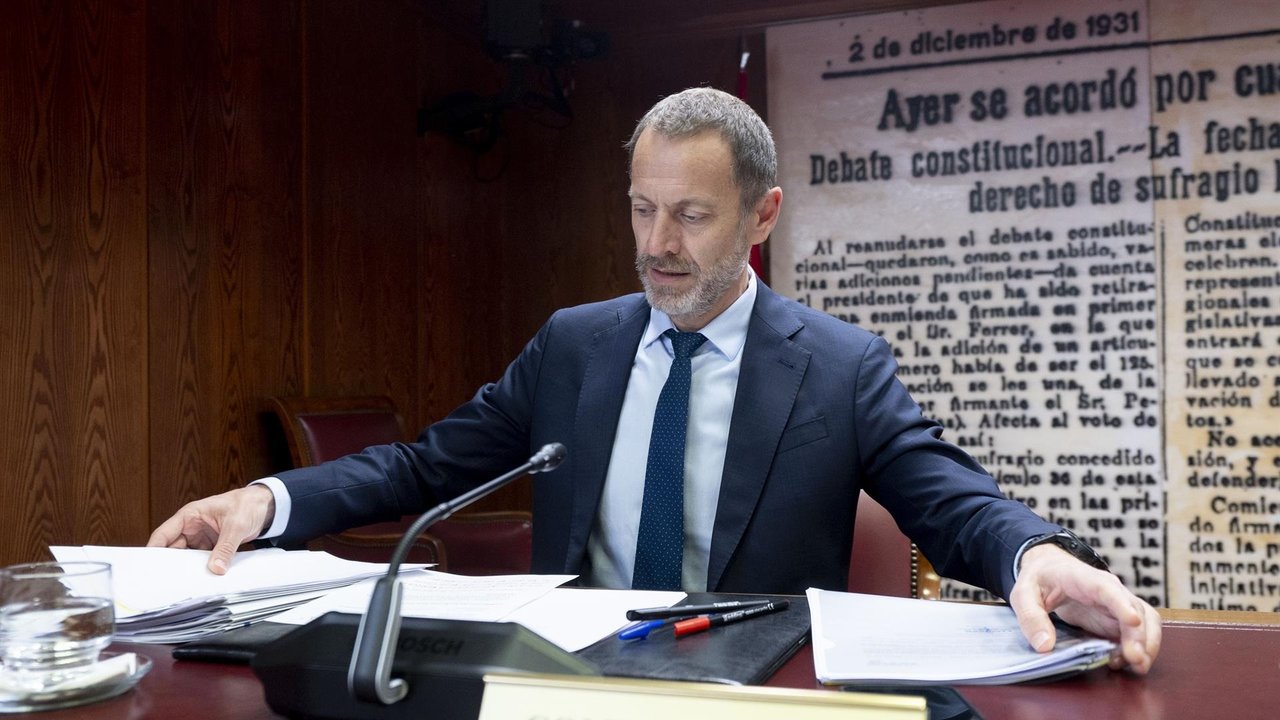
(304, 674)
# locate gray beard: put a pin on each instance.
(708, 285)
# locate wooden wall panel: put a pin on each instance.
(224, 130)
(463, 240)
(459, 304)
(362, 208)
(73, 390)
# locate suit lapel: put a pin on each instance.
(768, 383)
(612, 352)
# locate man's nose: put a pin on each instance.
(664, 236)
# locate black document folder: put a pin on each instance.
(744, 653)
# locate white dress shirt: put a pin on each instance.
(612, 544)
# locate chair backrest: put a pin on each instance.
(498, 542)
(320, 429)
(884, 561)
(478, 543)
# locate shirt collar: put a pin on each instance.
(727, 332)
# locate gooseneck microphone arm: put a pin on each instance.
(369, 676)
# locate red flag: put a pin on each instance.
(757, 261)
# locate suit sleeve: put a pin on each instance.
(486, 436)
(940, 497)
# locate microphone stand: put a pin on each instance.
(369, 676)
(338, 666)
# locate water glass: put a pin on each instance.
(55, 618)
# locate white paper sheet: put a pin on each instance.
(438, 595)
(873, 638)
(572, 618)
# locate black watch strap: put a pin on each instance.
(1069, 541)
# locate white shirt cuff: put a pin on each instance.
(1017, 558)
(284, 505)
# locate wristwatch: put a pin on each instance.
(1067, 540)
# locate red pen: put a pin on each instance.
(706, 622)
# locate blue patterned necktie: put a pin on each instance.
(660, 544)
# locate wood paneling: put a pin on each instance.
(73, 386)
(462, 239)
(362, 190)
(224, 129)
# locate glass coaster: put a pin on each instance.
(67, 694)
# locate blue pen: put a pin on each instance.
(641, 630)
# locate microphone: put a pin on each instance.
(445, 661)
(369, 677)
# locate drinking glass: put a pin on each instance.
(55, 619)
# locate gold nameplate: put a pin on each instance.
(525, 697)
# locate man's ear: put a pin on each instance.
(765, 215)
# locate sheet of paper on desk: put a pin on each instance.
(569, 617)
(575, 618)
(870, 638)
(439, 595)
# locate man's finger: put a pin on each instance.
(1033, 617)
(220, 558)
(1127, 612)
(1141, 642)
(169, 532)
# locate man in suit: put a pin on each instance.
(779, 413)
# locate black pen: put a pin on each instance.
(697, 625)
(661, 613)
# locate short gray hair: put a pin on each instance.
(696, 110)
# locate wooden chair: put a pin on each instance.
(482, 543)
(884, 561)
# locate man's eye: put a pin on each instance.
(690, 217)
(641, 210)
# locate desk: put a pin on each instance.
(1212, 664)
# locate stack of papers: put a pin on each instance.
(166, 595)
(869, 638)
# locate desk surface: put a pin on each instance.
(1211, 665)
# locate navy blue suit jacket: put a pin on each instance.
(818, 415)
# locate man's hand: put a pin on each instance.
(1051, 580)
(220, 522)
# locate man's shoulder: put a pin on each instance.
(596, 316)
(813, 329)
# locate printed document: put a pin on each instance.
(870, 638)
